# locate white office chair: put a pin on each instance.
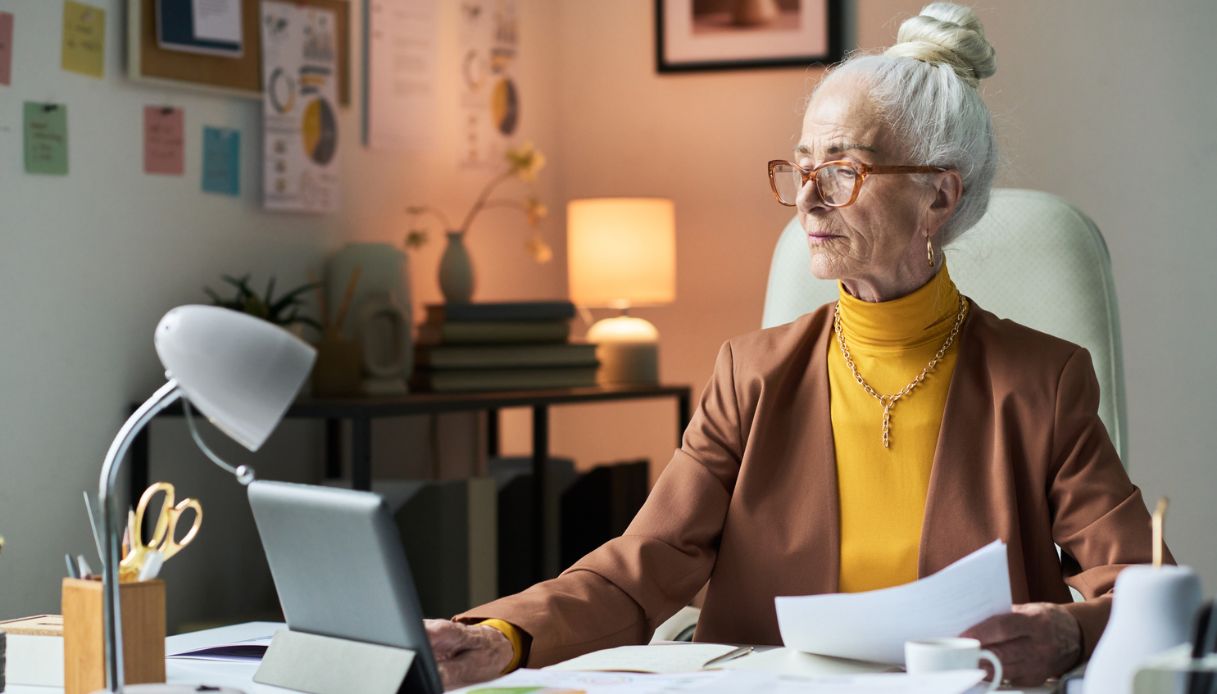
(1033, 258)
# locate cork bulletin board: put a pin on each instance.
(146, 61)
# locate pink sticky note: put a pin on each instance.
(6, 48)
(163, 141)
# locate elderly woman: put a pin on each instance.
(877, 439)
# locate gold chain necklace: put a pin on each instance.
(889, 401)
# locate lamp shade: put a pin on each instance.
(621, 251)
(241, 372)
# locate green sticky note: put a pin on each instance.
(84, 38)
(46, 138)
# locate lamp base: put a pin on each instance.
(628, 350)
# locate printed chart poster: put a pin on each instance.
(489, 94)
(300, 120)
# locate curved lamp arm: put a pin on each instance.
(112, 632)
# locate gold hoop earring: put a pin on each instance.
(929, 250)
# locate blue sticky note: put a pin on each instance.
(222, 160)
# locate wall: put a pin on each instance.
(89, 263)
(1107, 103)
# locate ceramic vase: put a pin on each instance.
(456, 270)
(1152, 612)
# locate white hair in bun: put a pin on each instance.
(926, 87)
(947, 34)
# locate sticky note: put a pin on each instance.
(46, 138)
(6, 48)
(163, 140)
(84, 38)
(222, 161)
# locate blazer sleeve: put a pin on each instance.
(1099, 518)
(619, 593)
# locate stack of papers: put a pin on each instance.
(728, 682)
(873, 626)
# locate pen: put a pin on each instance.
(72, 572)
(93, 526)
(85, 570)
(729, 655)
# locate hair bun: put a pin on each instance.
(949, 34)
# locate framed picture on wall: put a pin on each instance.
(692, 35)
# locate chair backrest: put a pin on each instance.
(1033, 258)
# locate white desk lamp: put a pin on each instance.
(622, 253)
(241, 373)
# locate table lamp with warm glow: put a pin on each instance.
(622, 254)
(241, 373)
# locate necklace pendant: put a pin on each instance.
(887, 423)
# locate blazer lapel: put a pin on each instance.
(824, 506)
(957, 503)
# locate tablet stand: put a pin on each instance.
(328, 665)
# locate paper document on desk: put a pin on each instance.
(726, 682)
(666, 658)
(874, 625)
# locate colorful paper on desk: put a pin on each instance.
(222, 161)
(84, 38)
(46, 138)
(874, 625)
(6, 48)
(163, 140)
(667, 658)
(250, 650)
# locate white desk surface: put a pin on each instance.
(241, 675)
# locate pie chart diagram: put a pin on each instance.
(319, 129)
(505, 106)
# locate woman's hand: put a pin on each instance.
(1035, 641)
(467, 654)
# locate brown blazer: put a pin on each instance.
(749, 501)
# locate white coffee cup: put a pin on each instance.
(936, 655)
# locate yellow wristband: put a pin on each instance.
(514, 635)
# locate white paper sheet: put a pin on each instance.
(401, 50)
(668, 658)
(733, 682)
(874, 625)
(217, 20)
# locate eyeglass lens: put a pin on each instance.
(835, 183)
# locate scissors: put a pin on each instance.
(164, 542)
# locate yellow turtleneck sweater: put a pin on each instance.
(883, 491)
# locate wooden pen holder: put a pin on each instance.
(84, 650)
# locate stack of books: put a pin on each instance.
(501, 346)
